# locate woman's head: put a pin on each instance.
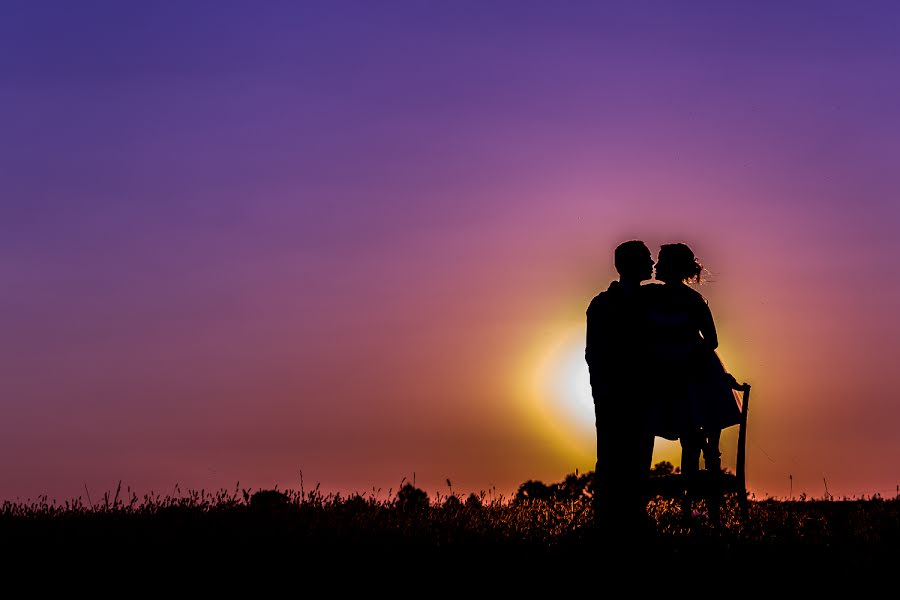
(676, 263)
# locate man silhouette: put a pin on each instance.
(617, 354)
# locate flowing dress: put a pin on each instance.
(692, 389)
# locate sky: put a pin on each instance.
(354, 242)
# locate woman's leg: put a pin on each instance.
(691, 444)
(712, 459)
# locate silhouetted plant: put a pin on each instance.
(452, 502)
(268, 500)
(663, 469)
(534, 490)
(574, 486)
(411, 498)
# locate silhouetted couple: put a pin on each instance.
(654, 372)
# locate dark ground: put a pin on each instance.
(516, 541)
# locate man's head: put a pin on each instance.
(633, 261)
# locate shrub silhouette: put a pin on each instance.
(534, 490)
(268, 500)
(573, 487)
(411, 498)
(663, 469)
(356, 504)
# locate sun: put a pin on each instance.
(560, 385)
(566, 384)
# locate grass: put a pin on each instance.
(806, 536)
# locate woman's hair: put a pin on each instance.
(676, 262)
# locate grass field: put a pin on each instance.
(823, 537)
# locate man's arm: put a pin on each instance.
(596, 337)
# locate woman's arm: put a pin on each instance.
(707, 327)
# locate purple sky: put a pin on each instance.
(245, 239)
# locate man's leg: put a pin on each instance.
(602, 498)
(614, 482)
(645, 462)
(639, 461)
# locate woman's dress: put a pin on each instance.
(693, 390)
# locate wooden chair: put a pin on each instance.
(741, 468)
(707, 484)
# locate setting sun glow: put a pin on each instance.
(565, 405)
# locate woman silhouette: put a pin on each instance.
(698, 401)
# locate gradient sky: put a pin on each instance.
(241, 240)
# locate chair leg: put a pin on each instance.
(743, 504)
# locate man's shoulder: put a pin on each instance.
(599, 298)
(603, 299)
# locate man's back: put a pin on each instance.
(617, 342)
